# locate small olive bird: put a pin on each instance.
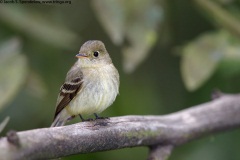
(91, 85)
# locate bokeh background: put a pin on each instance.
(170, 55)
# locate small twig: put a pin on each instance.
(220, 15)
(216, 94)
(12, 138)
(160, 152)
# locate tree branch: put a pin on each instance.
(127, 131)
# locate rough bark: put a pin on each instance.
(165, 131)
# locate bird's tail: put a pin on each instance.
(61, 119)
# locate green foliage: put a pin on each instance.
(136, 22)
(201, 58)
(176, 51)
(13, 68)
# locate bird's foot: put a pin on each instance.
(83, 120)
(98, 117)
(89, 119)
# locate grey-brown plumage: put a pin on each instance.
(91, 85)
(69, 89)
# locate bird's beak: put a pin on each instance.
(81, 55)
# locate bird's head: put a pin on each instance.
(92, 54)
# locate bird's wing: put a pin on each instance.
(69, 89)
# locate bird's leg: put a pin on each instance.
(81, 118)
(97, 117)
(84, 120)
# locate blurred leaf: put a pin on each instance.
(34, 25)
(141, 40)
(136, 21)
(230, 65)
(4, 123)
(200, 59)
(36, 85)
(111, 14)
(13, 70)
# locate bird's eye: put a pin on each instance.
(96, 53)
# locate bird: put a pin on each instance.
(91, 85)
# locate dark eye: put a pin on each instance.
(96, 53)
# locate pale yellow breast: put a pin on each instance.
(99, 90)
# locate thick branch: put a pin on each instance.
(128, 131)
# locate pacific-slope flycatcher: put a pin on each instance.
(91, 84)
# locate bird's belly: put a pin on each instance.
(94, 97)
